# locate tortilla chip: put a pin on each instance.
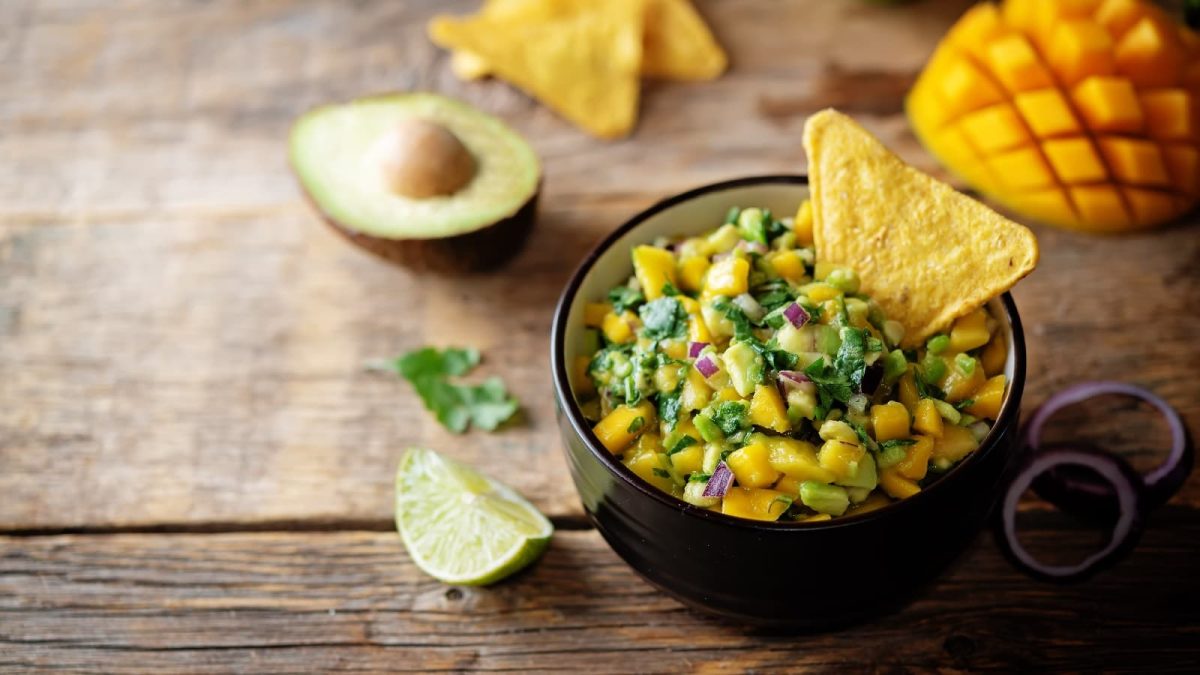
(582, 60)
(926, 253)
(678, 44)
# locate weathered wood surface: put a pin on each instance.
(351, 601)
(181, 345)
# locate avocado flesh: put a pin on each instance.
(331, 153)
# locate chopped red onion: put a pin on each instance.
(792, 378)
(750, 307)
(751, 247)
(695, 348)
(1083, 494)
(719, 482)
(1125, 531)
(796, 314)
(706, 367)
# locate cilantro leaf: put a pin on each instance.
(831, 384)
(486, 405)
(668, 408)
(849, 361)
(698, 477)
(682, 444)
(669, 289)
(623, 298)
(896, 443)
(663, 318)
(730, 417)
(964, 404)
(743, 329)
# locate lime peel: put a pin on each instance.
(462, 527)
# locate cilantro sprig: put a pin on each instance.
(456, 406)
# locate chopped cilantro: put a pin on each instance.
(668, 408)
(669, 289)
(963, 405)
(636, 425)
(730, 417)
(663, 318)
(731, 216)
(661, 473)
(743, 329)
(698, 477)
(773, 295)
(896, 443)
(456, 406)
(849, 361)
(681, 445)
(623, 298)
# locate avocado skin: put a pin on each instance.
(477, 251)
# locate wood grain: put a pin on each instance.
(272, 602)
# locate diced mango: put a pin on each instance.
(1020, 14)
(1134, 161)
(618, 329)
(927, 420)
(1022, 169)
(890, 421)
(1046, 112)
(620, 427)
(970, 331)
(1170, 113)
(958, 385)
(654, 268)
(994, 355)
(728, 277)
(977, 27)
(1048, 16)
(1118, 16)
(756, 504)
(872, 503)
(820, 292)
(1075, 160)
(1150, 54)
(1151, 207)
(649, 466)
(956, 442)
(1184, 167)
(1108, 104)
(691, 273)
(896, 485)
(690, 305)
(988, 399)
(696, 393)
(698, 330)
(728, 394)
(840, 458)
(1049, 206)
(803, 224)
(767, 409)
(1078, 50)
(788, 265)
(1101, 207)
(594, 312)
(797, 460)
(964, 88)
(916, 458)
(688, 460)
(1016, 65)
(908, 391)
(582, 381)
(995, 129)
(751, 466)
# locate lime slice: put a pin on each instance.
(462, 527)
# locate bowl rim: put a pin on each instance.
(579, 424)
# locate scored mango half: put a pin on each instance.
(1079, 113)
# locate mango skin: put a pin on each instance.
(1081, 115)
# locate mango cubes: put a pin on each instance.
(1078, 113)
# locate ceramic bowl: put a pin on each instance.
(798, 575)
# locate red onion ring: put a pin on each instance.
(1128, 493)
(1083, 495)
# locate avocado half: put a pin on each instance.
(419, 179)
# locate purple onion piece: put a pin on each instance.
(695, 348)
(793, 378)
(796, 315)
(719, 482)
(706, 367)
(1127, 528)
(751, 247)
(1083, 494)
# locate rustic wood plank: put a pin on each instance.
(352, 601)
(180, 340)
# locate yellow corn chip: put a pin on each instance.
(925, 252)
(678, 44)
(582, 60)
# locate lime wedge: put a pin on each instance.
(462, 527)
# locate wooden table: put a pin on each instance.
(196, 471)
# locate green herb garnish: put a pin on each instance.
(636, 425)
(456, 406)
(663, 318)
(623, 298)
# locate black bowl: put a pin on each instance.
(796, 575)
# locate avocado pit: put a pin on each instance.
(420, 159)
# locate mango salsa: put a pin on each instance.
(739, 351)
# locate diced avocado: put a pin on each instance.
(828, 339)
(693, 493)
(745, 367)
(708, 429)
(857, 495)
(797, 340)
(751, 225)
(824, 498)
(864, 475)
(715, 320)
